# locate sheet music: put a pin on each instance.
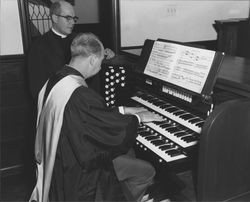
(181, 65)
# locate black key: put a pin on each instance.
(190, 132)
(179, 112)
(167, 125)
(187, 116)
(180, 134)
(172, 109)
(195, 120)
(189, 138)
(152, 100)
(140, 129)
(145, 96)
(152, 137)
(145, 133)
(165, 106)
(173, 130)
(173, 152)
(162, 123)
(200, 124)
(158, 142)
(183, 128)
(166, 147)
(158, 123)
(158, 103)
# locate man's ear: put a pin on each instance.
(92, 59)
(54, 18)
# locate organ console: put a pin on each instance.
(186, 109)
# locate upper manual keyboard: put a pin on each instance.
(175, 113)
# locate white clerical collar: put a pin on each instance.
(59, 34)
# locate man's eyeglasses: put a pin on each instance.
(68, 17)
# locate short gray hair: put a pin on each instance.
(55, 8)
(85, 44)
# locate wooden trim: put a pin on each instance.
(11, 58)
(12, 170)
(116, 25)
(24, 17)
(131, 47)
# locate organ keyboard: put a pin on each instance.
(173, 112)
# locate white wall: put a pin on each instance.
(87, 11)
(10, 28)
(184, 21)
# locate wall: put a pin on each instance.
(184, 21)
(87, 11)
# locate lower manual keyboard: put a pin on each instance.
(183, 138)
(164, 148)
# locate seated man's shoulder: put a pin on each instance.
(84, 94)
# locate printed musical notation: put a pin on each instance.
(184, 66)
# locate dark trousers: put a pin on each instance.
(135, 174)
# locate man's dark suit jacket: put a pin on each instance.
(47, 55)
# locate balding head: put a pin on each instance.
(87, 53)
(85, 44)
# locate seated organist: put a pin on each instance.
(83, 149)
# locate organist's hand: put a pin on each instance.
(147, 116)
(133, 110)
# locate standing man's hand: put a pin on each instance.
(109, 53)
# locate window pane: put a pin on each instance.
(10, 34)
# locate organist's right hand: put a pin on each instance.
(133, 110)
(147, 116)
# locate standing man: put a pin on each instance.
(51, 51)
(81, 145)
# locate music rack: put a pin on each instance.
(175, 90)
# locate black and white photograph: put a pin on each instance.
(124, 100)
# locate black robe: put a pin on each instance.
(91, 136)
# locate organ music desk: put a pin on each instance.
(223, 142)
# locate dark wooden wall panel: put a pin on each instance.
(16, 123)
(12, 71)
(17, 116)
(14, 94)
(13, 152)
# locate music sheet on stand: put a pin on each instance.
(184, 66)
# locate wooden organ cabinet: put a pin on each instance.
(214, 146)
(233, 36)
